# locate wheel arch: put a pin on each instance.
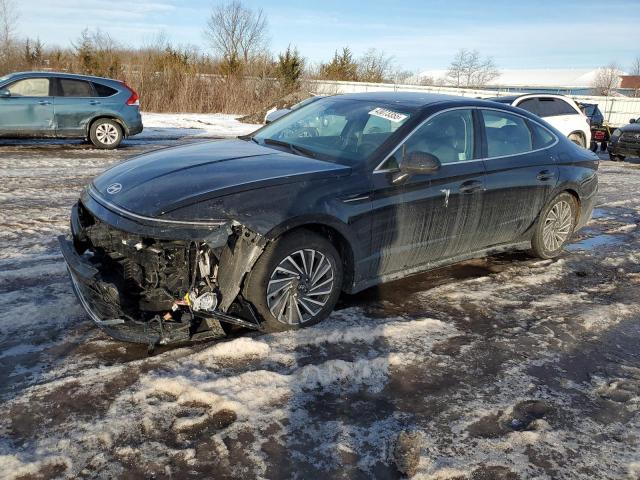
(581, 134)
(107, 116)
(333, 230)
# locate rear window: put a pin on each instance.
(551, 107)
(75, 88)
(103, 90)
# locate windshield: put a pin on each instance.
(304, 102)
(339, 129)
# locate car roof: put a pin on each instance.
(418, 100)
(409, 99)
(58, 75)
(513, 98)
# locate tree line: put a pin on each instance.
(238, 74)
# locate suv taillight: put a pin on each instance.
(134, 99)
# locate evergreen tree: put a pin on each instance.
(289, 68)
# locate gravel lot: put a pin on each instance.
(500, 368)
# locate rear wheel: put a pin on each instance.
(578, 139)
(555, 226)
(106, 134)
(616, 158)
(296, 282)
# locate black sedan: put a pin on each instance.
(625, 141)
(350, 191)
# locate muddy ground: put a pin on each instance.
(499, 368)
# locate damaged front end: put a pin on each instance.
(157, 289)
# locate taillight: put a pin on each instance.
(134, 99)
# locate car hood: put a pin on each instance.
(632, 127)
(159, 182)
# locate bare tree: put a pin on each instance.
(8, 24)
(469, 69)
(635, 67)
(236, 32)
(607, 79)
(374, 66)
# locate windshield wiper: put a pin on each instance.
(294, 148)
(248, 137)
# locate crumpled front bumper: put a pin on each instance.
(102, 301)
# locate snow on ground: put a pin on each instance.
(171, 125)
(506, 367)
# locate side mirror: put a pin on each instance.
(417, 163)
(4, 93)
(633, 120)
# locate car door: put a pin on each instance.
(26, 108)
(75, 105)
(423, 219)
(520, 174)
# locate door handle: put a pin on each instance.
(94, 102)
(545, 175)
(471, 186)
(44, 102)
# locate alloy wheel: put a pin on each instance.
(107, 133)
(300, 286)
(557, 226)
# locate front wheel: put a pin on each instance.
(106, 134)
(555, 226)
(296, 282)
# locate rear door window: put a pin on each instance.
(30, 87)
(75, 88)
(449, 136)
(506, 134)
(103, 90)
(551, 107)
(530, 105)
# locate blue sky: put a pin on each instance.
(420, 35)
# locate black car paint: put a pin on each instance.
(387, 230)
(628, 143)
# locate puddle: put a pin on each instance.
(594, 242)
(599, 213)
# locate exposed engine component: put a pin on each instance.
(207, 302)
(162, 290)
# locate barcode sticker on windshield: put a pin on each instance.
(388, 114)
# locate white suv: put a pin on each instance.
(560, 111)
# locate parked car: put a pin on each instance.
(600, 132)
(276, 114)
(625, 141)
(559, 111)
(345, 193)
(60, 105)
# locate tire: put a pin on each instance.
(616, 158)
(555, 226)
(578, 139)
(106, 134)
(269, 287)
